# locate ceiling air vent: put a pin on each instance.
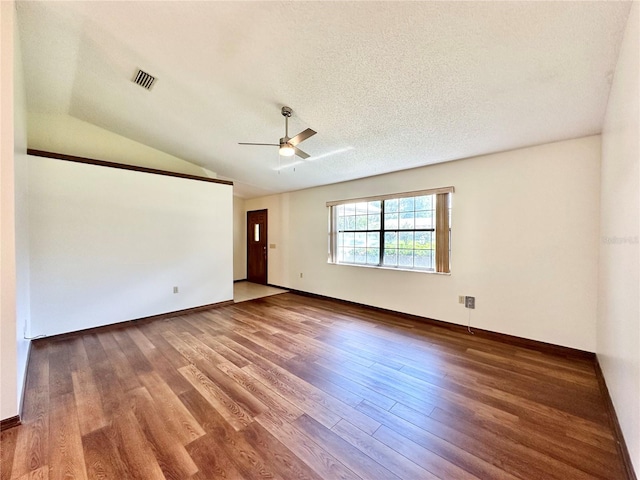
(144, 79)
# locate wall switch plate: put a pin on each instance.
(461, 299)
(470, 302)
(175, 289)
(301, 275)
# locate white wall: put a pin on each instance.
(524, 242)
(109, 245)
(618, 328)
(239, 239)
(66, 134)
(8, 350)
(14, 256)
(23, 306)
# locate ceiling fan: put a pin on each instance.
(288, 146)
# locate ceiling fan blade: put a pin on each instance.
(300, 153)
(267, 144)
(302, 136)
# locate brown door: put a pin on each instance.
(257, 246)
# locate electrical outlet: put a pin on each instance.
(175, 289)
(300, 274)
(470, 302)
(461, 299)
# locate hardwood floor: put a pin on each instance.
(290, 387)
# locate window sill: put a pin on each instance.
(395, 269)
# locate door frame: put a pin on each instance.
(266, 241)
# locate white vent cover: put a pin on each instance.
(144, 79)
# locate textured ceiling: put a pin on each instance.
(387, 85)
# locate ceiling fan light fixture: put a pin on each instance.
(287, 150)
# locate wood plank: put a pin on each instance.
(127, 376)
(172, 409)
(233, 413)
(171, 455)
(322, 462)
(307, 405)
(60, 383)
(88, 402)
(419, 455)
(279, 456)
(274, 402)
(40, 474)
(132, 447)
(213, 462)
(102, 457)
(454, 451)
(8, 440)
(350, 456)
(65, 443)
(516, 459)
(238, 455)
(31, 450)
(381, 453)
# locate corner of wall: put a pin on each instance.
(618, 320)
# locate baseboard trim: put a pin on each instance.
(241, 280)
(623, 451)
(10, 423)
(487, 334)
(127, 323)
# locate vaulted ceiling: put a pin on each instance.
(387, 85)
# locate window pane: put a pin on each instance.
(374, 207)
(349, 209)
(340, 209)
(390, 221)
(373, 256)
(405, 258)
(361, 208)
(390, 257)
(406, 221)
(340, 224)
(360, 239)
(361, 255)
(391, 205)
(348, 254)
(350, 222)
(405, 240)
(423, 240)
(361, 222)
(423, 202)
(390, 240)
(348, 239)
(423, 259)
(424, 219)
(374, 222)
(406, 204)
(373, 239)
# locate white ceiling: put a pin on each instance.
(387, 85)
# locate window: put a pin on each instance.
(405, 231)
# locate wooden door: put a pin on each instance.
(257, 246)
